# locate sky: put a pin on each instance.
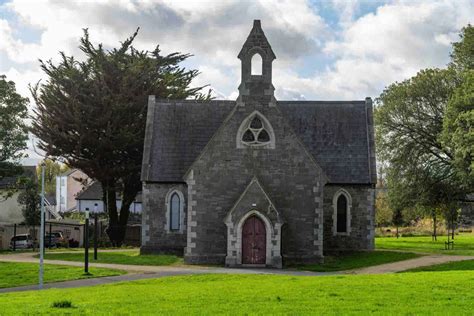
(326, 50)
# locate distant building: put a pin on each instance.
(68, 185)
(90, 199)
(10, 209)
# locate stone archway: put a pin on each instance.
(254, 241)
(254, 202)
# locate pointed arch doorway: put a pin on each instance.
(254, 241)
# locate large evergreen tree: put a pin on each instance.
(13, 134)
(92, 113)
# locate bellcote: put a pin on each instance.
(256, 83)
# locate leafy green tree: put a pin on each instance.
(30, 200)
(462, 57)
(383, 212)
(424, 134)
(51, 170)
(458, 132)
(397, 220)
(13, 134)
(92, 113)
(409, 123)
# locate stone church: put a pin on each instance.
(258, 181)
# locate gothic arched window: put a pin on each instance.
(342, 204)
(341, 214)
(175, 209)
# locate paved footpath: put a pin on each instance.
(399, 266)
(138, 272)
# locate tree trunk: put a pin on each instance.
(132, 185)
(109, 187)
(397, 231)
(118, 221)
(452, 226)
(434, 226)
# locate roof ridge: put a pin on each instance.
(193, 101)
(322, 101)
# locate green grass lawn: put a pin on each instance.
(119, 257)
(465, 265)
(357, 260)
(443, 293)
(463, 244)
(17, 274)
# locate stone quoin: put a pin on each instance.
(258, 181)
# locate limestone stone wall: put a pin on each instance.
(156, 238)
(362, 217)
(287, 173)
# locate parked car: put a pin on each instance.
(22, 241)
(57, 240)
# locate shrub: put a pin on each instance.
(62, 304)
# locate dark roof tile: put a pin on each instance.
(334, 132)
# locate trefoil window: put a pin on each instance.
(256, 134)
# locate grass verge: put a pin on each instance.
(357, 260)
(463, 244)
(466, 265)
(405, 294)
(119, 257)
(17, 274)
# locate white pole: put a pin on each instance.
(41, 268)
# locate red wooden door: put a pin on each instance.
(254, 241)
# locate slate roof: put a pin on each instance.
(28, 171)
(336, 133)
(177, 132)
(94, 192)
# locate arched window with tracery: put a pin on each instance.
(256, 131)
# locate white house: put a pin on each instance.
(68, 185)
(90, 199)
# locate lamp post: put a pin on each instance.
(41, 267)
(96, 217)
(86, 244)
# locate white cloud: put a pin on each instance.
(211, 30)
(365, 54)
(347, 9)
(22, 79)
(392, 44)
(15, 49)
